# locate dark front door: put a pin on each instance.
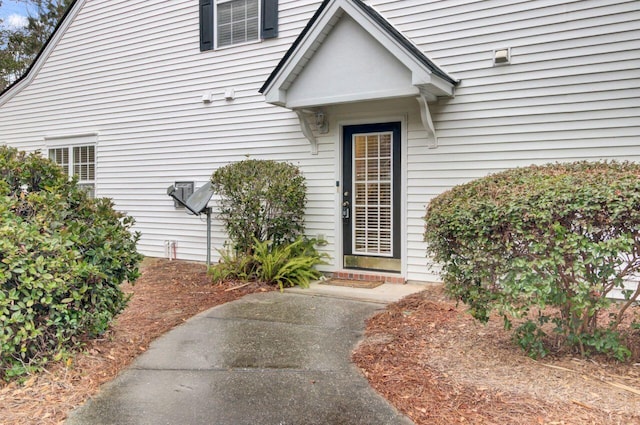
(371, 196)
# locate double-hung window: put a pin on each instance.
(236, 21)
(77, 161)
(228, 22)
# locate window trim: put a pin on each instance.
(71, 142)
(268, 11)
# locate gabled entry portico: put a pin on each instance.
(349, 57)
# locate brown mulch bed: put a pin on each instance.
(424, 354)
(439, 366)
(167, 294)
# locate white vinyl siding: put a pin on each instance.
(571, 91)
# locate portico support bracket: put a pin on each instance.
(427, 122)
(308, 133)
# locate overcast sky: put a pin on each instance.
(13, 13)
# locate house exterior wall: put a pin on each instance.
(571, 92)
(131, 72)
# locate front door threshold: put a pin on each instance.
(375, 264)
(368, 275)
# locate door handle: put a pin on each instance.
(346, 211)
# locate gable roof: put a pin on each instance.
(378, 19)
(46, 48)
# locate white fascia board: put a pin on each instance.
(275, 97)
(432, 84)
(350, 98)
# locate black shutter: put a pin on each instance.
(269, 19)
(206, 25)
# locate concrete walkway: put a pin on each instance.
(270, 358)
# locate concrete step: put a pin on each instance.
(383, 294)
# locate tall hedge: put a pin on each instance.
(63, 257)
(260, 200)
(558, 236)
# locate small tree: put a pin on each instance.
(63, 257)
(562, 236)
(260, 201)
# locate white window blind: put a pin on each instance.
(237, 21)
(61, 157)
(77, 161)
(373, 209)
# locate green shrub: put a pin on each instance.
(283, 265)
(63, 257)
(260, 200)
(232, 266)
(559, 238)
(287, 265)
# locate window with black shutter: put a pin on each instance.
(228, 22)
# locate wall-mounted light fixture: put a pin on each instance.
(229, 94)
(322, 124)
(502, 56)
(313, 121)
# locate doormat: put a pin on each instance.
(368, 284)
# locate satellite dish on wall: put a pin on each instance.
(199, 199)
(196, 204)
